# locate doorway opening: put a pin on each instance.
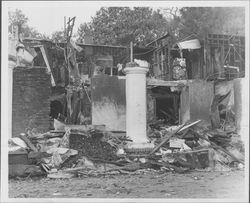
(167, 104)
(56, 108)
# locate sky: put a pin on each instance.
(48, 17)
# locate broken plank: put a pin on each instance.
(38, 155)
(28, 142)
(42, 48)
(189, 125)
(155, 82)
(166, 139)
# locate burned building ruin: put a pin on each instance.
(182, 80)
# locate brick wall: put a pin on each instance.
(30, 107)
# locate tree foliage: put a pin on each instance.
(217, 20)
(120, 25)
(187, 21)
(18, 18)
(58, 36)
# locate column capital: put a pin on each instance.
(135, 70)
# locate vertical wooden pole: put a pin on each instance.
(158, 63)
(206, 65)
(131, 52)
(162, 63)
(65, 27)
(169, 65)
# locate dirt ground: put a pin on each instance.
(194, 184)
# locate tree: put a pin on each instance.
(120, 25)
(197, 21)
(172, 15)
(83, 30)
(18, 18)
(58, 36)
(217, 20)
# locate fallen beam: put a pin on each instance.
(166, 139)
(181, 128)
(155, 82)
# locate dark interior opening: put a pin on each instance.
(167, 105)
(166, 110)
(107, 71)
(56, 107)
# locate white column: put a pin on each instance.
(136, 109)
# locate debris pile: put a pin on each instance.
(90, 144)
(197, 146)
(92, 151)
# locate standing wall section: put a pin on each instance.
(201, 94)
(30, 107)
(108, 102)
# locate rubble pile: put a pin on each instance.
(199, 146)
(92, 145)
(57, 150)
(93, 151)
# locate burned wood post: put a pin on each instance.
(70, 54)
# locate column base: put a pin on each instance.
(140, 145)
